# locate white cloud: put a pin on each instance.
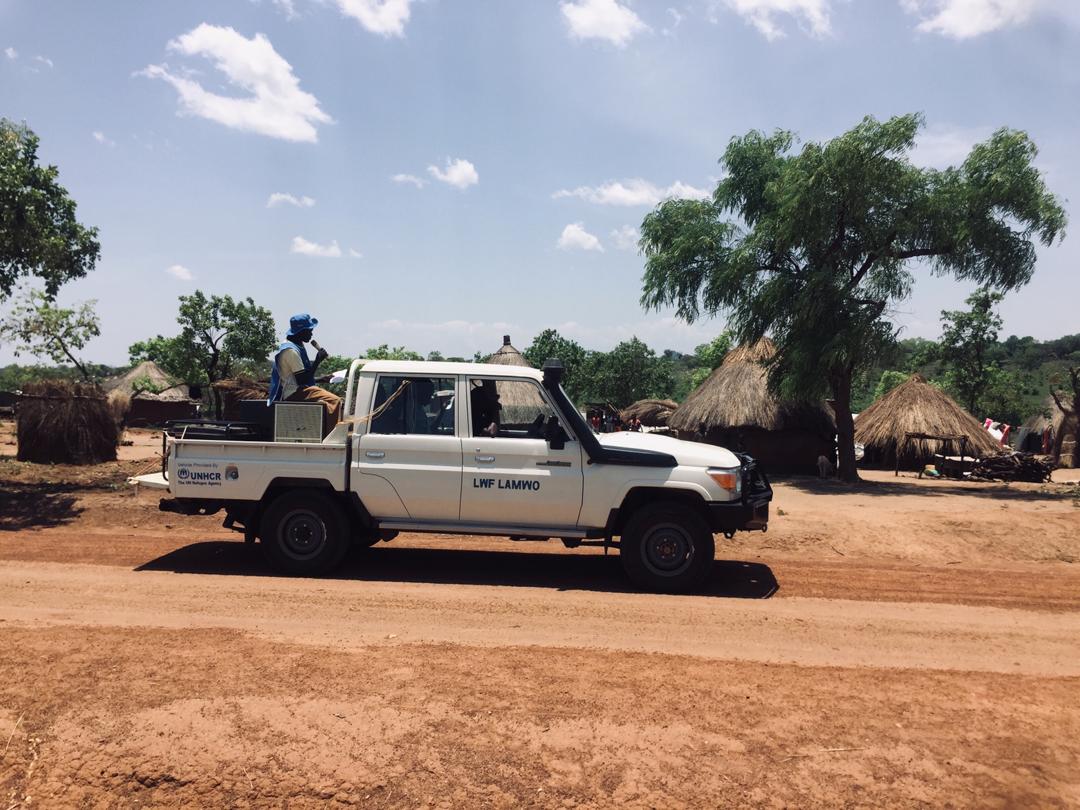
(575, 237)
(355, 254)
(602, 19)
(458, 173)
(180, 272)
(764, 15)
(941, 146)
(280, 198)
(635, 192)
(658, 331)
(274, 105)
(100, 138)
(305, 248)
(11, 53)
(408, 178)
(287, 8)
(44, 60)
(384, 17)
(626, 237)
(676, 21)
(963, 19)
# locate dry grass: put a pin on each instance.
(651, 412)
(119, 402)
(507, 355)
(67, 423)
(915, 406)
(736, 395)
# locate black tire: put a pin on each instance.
(305, 533)
(667, 548)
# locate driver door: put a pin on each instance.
(515, 477)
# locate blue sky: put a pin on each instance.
(435, 173)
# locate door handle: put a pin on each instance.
(484, 459)
(375, 454)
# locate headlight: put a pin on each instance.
(729, 479)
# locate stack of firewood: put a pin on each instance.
(1013, 466)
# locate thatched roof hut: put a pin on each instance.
(1062, 437)
(507, 355)
(651, 412)
(152, 396)
(916, 406)
(734, 408)
(148, 381)
(519, 400)
(1040, 421)
(60, 422)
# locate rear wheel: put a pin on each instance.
(305, 533)
(668, 548)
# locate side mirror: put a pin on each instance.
(554, 434)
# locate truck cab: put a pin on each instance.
(469, 448)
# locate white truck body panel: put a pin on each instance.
(237, 470)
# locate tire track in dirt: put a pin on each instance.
(351, 615)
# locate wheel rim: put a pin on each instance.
(667, 550)
(303, 535)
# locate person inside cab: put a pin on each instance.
(293, 376)
(484, 401)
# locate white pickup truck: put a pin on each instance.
(466, 448)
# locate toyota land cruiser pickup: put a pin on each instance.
(468, 449)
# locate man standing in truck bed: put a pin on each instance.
(293, 377)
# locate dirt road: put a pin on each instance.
(904, 644)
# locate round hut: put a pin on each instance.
(654, 413)
(520, 401)
(507, 355)
(154, 397)
(733, 408)
(916, 406)
(1054, 435)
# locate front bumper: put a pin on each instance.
(751, 512)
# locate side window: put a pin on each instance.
(414, 405)
(514, 409)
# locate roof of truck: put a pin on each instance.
(436, 367)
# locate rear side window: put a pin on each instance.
(414, 405)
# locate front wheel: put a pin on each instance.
(305, 534)
(668, 548)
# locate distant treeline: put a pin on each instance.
(1023, 370)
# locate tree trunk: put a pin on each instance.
(845, 427)
(219, 407)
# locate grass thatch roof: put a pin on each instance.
(148, 372)
(915, 406)
(1041, 421)
(736, 395)
(242, 388)
(507, 355)
(651, 412)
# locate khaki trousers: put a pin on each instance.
(315, 394)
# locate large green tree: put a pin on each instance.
(39, 234)
(815, 246)
(629, 372)
(966, 340)
(550, 344)
(219, 337)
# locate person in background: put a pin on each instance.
(293, 376)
